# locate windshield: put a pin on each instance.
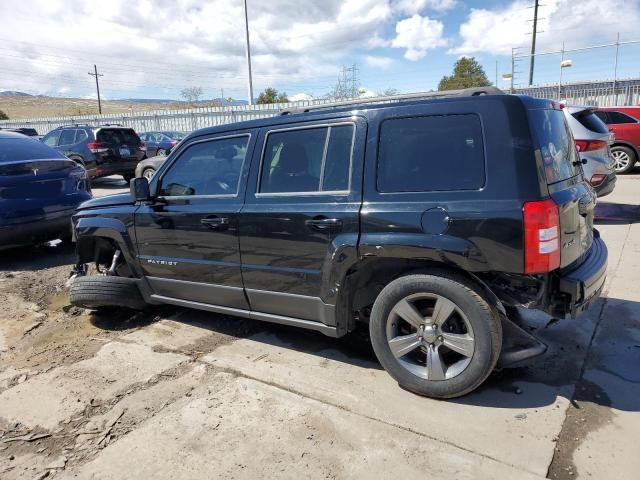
(17, 149)
(556, 144)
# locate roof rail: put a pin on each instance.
(111, 125)
(464, 92)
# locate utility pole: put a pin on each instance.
(246, 27)
(615, 69)
(96, 74)
(513, 67)
(561, 67)
(533, 41)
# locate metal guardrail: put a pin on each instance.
(195, 118)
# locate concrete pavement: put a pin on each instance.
(195, 395)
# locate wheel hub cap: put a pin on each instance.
(430, 333)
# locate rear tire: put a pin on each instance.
(624, 159)
(148, 173)
(97, 291)
(128, 176)
(162, 152)
(472, 326)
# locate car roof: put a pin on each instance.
(361, 108)
(9, 134)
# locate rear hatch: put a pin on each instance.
(119, 144)
(560, 168)
(593, 140)
(30, 189)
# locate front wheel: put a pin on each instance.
(97, 291)
(148, 173)
(435, 335)
(624, 159)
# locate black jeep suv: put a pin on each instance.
(427, 219)
(103, 151)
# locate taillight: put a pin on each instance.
(97, 147)
(588, 145)
(143, 147)
(541, 236)
(597, 178)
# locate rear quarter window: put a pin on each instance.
(590, 121)
(431, 153)
(555, 142)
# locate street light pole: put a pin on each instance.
(561, 67)
(246, 26)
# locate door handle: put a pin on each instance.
(324, 224)
(215, 222)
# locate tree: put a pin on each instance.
(3, 116)
(271, 95)
(191, 94)
(389, 92)
(467, 73)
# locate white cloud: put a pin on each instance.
(418, 34)
(374, 61)
(587, 22)
(299, 97)
(165, 45)
(411, 7)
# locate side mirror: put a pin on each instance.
(139, 188)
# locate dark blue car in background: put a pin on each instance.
(39, 191)
(161, 143)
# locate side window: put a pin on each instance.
(66, 137)
(619, 117)
(602, 115)
(143, 137)
(81, 136)
(307, 160)
(212, 167)
(51, 138)
(431, 153)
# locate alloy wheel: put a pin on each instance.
(430, 336)
(621, 160)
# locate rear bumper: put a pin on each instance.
(575, 291)
(48, 227)
(607, 185)
(113, 168)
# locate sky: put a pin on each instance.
(155, 48)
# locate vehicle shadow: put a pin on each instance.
(608, 213)
(557, 373)
(114, 182)
(37, 257)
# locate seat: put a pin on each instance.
(291, 172)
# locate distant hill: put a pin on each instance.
(164, 101)
(13, 93)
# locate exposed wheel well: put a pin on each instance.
(101, 251)
(365, 282)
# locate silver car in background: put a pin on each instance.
(593, 141)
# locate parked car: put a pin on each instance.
(624, 122)
(426, 221)
(103, 151)
(39, 191)
(593, 140)
(29, 132)
(160, 144)
(147, 167)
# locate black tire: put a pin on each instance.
(97, 291)
(483, 318)
(631, 155)
(128, 176)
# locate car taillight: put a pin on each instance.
(597, 178)
(97, 147)
(541, 236)
(143, 147)
(174, 143)
(588, 145)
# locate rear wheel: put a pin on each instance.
(162, 152)
(148, 173)
(624, 159)
(435, 335)
(97, 291)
